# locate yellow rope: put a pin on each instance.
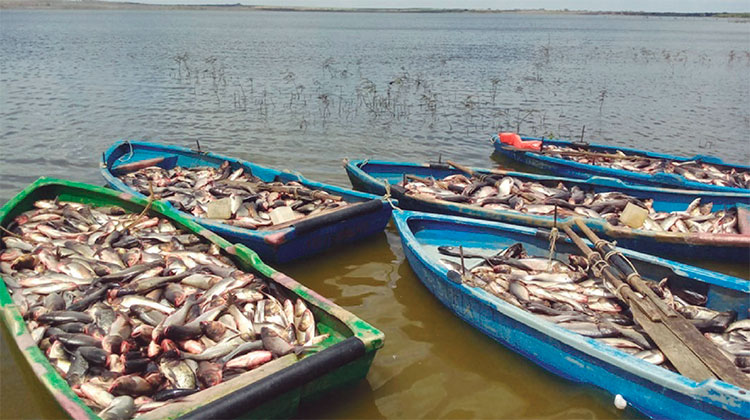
(9, 232)
(151, 197)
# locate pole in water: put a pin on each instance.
(440, 158)
(583, 130)
(461, 253)
(198, 144)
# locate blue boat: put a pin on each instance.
(367, 215)
(380, 177)
(653, 390)
(541, 159)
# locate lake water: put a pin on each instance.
(301, 91)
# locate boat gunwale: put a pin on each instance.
(703, 390)
(371, 338)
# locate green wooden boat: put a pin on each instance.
(274, 391)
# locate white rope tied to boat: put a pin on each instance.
(129, 155)
(387, 196)
(553, 235)
(296, 173)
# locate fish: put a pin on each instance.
(250, 360)
(134, 312)
(173, 393)
(247, 201)
(530, 197)
(121, 408)
(209, 374)
(178, 373)
(588, 306)
(275, 342)
(97, 394)
(242, 349)
(692, 170)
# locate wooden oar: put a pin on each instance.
(473, 173)
(462, 168)
(648, 316)
(253, 187)
(427, 181)
(681, 328)
(593, 154)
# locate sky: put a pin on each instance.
(609, 5)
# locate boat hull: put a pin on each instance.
(301, 240)
(371, 176)
(656, 392)
(345, 358)
(569, 168)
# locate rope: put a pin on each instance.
(597, 267)
(631, 276)
(616, 252)
(610, 253)
(7, 232)
(387, 196)
(129, 155)
(553, 235)
(364, 162)
(294, 172)
(618, 290)
(151, 197)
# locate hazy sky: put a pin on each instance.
(638, 5)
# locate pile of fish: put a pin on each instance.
(249, 202)
(692, 170)
(569, 295)
(134, 313)
(512, 194)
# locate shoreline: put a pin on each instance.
(106, 5)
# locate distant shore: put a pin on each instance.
(106, 5)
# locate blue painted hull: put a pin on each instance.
(656, 392)
(372, 176)
(565, 167)
(277, 245)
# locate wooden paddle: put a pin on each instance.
(253, 187)
(692, 344)
(665, 329)
(587, 153)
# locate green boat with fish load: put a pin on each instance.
(274, 389)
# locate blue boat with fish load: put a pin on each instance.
(653, 390)
(381, 177)
(364, 214)
(659, 170)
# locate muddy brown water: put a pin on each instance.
(303, 90)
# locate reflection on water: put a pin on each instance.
(304, 90)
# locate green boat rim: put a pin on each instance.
(371, 337)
